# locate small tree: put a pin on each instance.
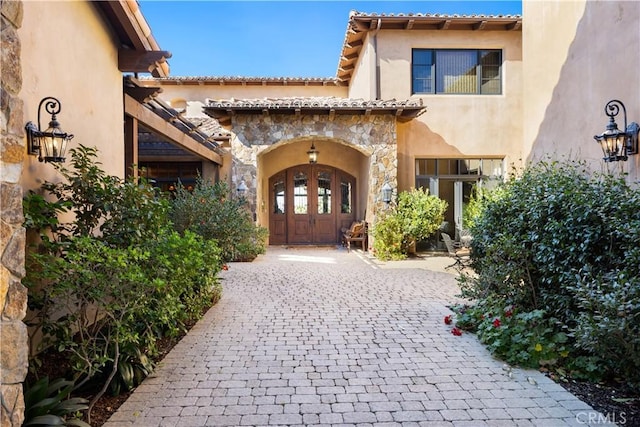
(416, 216)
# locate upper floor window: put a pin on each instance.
(456, 71)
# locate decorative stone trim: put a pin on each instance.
(13, 295)
(373, 135)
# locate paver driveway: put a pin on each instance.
(319, 336)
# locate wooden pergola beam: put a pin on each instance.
(157, 124)
(140, 61)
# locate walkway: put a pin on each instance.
(322, 336)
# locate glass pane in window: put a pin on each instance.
(425, 166)
(300, 201)
(493, 168)
(447, 167)
(324, 193)
(422, 65)
(470, 167)
(345, 197)
(278, 195)
(422, 56)
(491, 61)
(456, 71)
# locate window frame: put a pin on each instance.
(434, 76)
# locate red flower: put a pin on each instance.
(456, 331)
(496, 323)
(508, 313)
(225, 267)
(448, 319)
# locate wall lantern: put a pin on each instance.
(242, 188)
(616, 144)
(387, 193)
(48, 145)
(313, 154)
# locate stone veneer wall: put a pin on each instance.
(13, 296)
(373, 135)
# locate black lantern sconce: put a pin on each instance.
(387, 193)
(51, 144)
(616, 144)
(313, 154)
(242, 188)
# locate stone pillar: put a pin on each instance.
(14, 347)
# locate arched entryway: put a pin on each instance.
(309, 204)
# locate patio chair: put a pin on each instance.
(461, 256)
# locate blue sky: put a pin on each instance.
(275, 38)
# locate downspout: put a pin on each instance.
(377, 58)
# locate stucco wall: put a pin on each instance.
(454, 125)
(79, 67)
(363, 79)
(579, 55)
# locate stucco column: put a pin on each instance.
(13, 296)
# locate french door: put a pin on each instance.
(309, 204)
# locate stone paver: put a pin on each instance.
(321, 336)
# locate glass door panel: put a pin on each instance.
(324, 193)
(300, 194)
(279, 196)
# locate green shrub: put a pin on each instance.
(416, 216)
(121, 212)
(108, 283)
(559, 241)
(389, 243)
(211, 211)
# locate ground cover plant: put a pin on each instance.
(556, 256)
(416, 216)
(108, 278)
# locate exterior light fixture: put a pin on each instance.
(387, 193)
(242, 188)
(313, 154)
(616, 144)
(48, 145)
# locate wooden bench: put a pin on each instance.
(358, 232)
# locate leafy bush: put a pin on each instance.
(560, 240)
(106, 284)
(416, 216)
(389, 241)
(527, 338)
(211, 211)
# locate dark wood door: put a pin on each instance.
(308, 205)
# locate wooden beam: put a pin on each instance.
(157, 124)
(514, 26)
(480, 25)
(409, 25)
(444, 25)
(130, 147)
(140, 61)
(142, 94)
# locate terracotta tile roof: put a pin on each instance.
(247, 81)
(361, 23)
(209, 126)
(222, 109)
